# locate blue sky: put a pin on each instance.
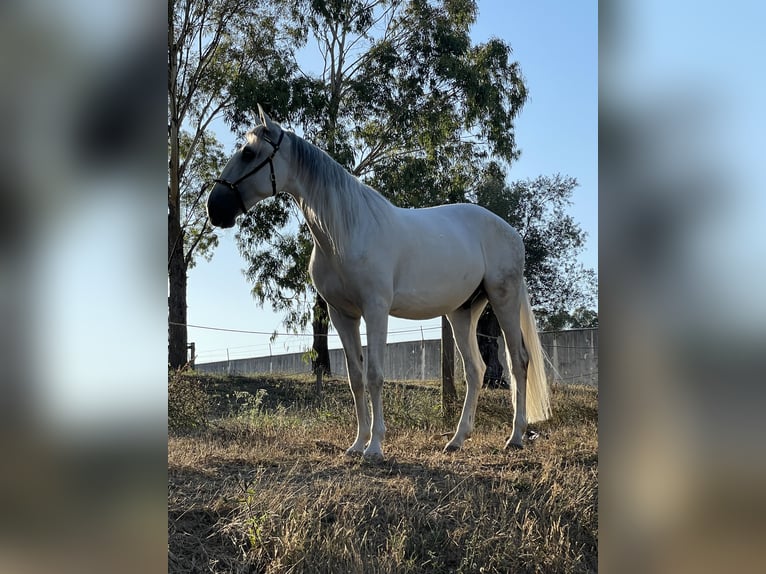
(556, 44)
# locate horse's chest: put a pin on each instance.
(333, 285)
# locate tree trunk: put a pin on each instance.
(177, 336)
(176, 264)
(449, 393)
(320, 364)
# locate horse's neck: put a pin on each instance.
(324, 229)
(335, 206)
(323, 238)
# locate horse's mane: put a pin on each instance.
(334, 200)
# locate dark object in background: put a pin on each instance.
(489, 337)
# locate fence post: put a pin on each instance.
(190, 347)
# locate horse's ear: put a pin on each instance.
(266, 121)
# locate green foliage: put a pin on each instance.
(277, 260)
(203, 161)
(309, 356)
(582, 317)
(188, 404)
(247, 406)
(560, 320)
(432, 107)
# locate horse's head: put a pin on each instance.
(256, 171)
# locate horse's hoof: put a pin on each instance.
(513, 446)
(353, 453)
(374, 457)
(451, 447)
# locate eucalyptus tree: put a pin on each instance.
(210, 44)
(403, 98)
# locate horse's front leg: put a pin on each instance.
(377, 327)
(348, 330)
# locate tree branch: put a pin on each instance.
(201, 129)
(189, 255)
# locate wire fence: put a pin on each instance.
(278, 334)
(292, 340)
(572, 355)
(288, 341)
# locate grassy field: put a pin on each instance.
(259, 482)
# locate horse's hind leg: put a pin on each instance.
(464, 323)
(506, 303)
(348, 329)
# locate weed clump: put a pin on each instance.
(188, 404)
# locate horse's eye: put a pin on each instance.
(247, 154)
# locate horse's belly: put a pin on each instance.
(438, 299)
(418, 311)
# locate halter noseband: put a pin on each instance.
(233, 184)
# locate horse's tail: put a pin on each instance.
(538, 397)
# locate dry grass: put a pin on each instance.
(266, 487)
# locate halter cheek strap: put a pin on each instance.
(233, 184)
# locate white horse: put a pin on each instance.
(372, 259)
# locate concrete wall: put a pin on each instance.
(411, 360)
(573, 353)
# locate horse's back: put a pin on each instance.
(443, 254)
(465, 223)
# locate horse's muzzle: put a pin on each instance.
(223, 206)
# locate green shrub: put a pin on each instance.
(188, 404)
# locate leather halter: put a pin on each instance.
(233, 184)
